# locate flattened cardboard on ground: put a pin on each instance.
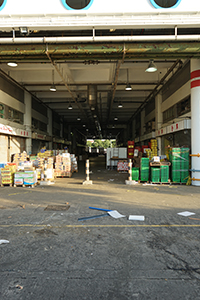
(115, 214)
(136, 218)
(186, 213)
(57, 207)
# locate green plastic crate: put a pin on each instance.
(185, 164)
(176, 164)
(144, 169)
(135, 173)
(155, 174)
(164, 174)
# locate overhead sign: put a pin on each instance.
(8, 130)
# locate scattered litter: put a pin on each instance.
(151, 184)
(57, 207)
(98, 170)
(136, 218)
(103, 209)
(4, 242)
(92, 217)
(91, 253)
(45, 232)
(110, 180)
(194, 219)
(9, 217)
(19, 287)
(186, 213)
(22, 206)
(172, 187)
(115, 214)
(61, 214)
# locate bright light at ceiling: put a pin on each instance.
(151, 67)
(12, 64)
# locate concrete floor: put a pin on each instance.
(52, 255)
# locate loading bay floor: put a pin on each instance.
(52, 255)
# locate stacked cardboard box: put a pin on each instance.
(7, 174)
(63, 163)
(74, 164)
(25, 178)
(154, 148)
(20, 157)
(50, 162)
(18, 178)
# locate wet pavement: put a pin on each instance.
(52, 255)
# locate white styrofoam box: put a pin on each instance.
(49, 173)
(156, 158)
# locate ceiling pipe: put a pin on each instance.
(63, 79)
(116, 81)
(92, 39)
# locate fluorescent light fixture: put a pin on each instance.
(116, 118)
(83, 125)
(151, 67)
(128, 87)
(70, 107)
(12, 64)
(78, 119)
(53, 88)
(120, 105)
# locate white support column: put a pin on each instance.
(195, 118)
(28, 120)
(158, 118)
(49, 126)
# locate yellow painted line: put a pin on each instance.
(100, 226)
(19, 193)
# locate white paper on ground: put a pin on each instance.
(136, 218)
(186, 213)
(115, 214)
(4, 242)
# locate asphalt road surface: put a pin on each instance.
(52, 255)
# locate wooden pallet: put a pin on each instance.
(6, 184)
(64, 174)
(25, 185)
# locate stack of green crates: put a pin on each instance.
(155, 174)
(176, 164)
(184, 164)
(135, 173)
(144, 169)
(164, 173)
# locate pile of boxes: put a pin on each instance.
(7, 174)
(63, 163)
(74, 164)
(154, 148)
